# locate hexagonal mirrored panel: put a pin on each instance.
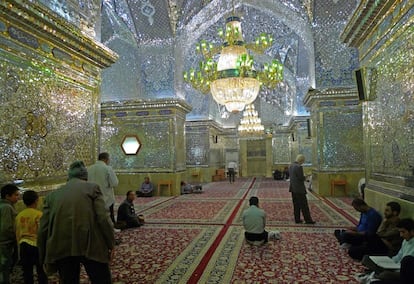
(131, 145)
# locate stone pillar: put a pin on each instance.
(269, 156)
(281, 148)
(243, 158)
(159, 127)
(337, 136)
(301, 143)
(205, 144)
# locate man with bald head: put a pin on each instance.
(298, 190)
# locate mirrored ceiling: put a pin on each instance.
(156, 39)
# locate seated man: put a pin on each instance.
(406, 229)
(369, 222)
(187, 188)
(254, 222)
(126, 213)
(146, 189)
(386, 241)
(277, 175)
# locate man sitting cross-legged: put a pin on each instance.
(254, 222)
(146, 189)
(369, 222)
(406, 229)
(386, 241)
(126, 213)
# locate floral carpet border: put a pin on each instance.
(184, 265)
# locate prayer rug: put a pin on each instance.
(304, 255)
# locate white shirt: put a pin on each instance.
(103, 175)
(232, 165)
(407, 248)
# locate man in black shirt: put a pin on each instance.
(126, 212)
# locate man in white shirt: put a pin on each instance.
(406, 228)
(103, 175)
(231, 169)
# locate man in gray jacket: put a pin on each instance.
(298, 190)
(75, 228)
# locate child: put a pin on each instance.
(27, 224)
(8, 249)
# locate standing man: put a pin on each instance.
(8, 245)
(75, 229)
(103, 175)
(298, 190)
(231, 168)
(254, 222)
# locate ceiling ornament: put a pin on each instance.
(250, 123)
(308, 4)
(233, 80)
(174, 13)
(148, 10)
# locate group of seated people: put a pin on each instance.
(375, 236)
(187, 188)
(147, 188)
(281, 175)
(127, 217)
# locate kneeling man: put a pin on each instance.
(254, 222)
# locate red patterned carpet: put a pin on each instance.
(198, 238)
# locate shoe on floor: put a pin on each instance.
(310, 222)
(299, 222)
(337, 234)
(345, 246)
(274, 235)
(117, 230)
(361, 277)
(365, 278)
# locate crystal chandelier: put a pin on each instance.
(233, 81)
(250, 124)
